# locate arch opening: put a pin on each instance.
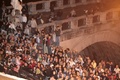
(105, 50)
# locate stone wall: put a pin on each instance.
(103, 32)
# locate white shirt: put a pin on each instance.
(33, 23)
(72, 63)
(24, 19)
(27, 31)
(37, 39)
(12, 26)
(16, 5)
(54, 37)
(116, 70)
(9, 52)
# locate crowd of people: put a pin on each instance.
(26, 51)
(25, 57)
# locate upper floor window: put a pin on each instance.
(66, 2)
(40, 6)
(109, 16)
(96, 18)
(81, 22)
(78, 1)
(53, 3)
(66, 26)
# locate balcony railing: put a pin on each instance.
(44, 6)
(76, 26)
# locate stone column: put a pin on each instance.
(89, 20)
(74, 23)
(47, 6)
(32, 8)
(84, 1)
(103, 17)
(115, 15)
(60, 4)
(72, 3)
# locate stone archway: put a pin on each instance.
(84, 41)
(104, 50)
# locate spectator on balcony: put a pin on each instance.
(45, 48)
(86, 12)
(13, 12)
(27, 30)
(52, 8)
(39, 19)
(12, 27)
(54, 38)
(49, 43)
(3, 26)
(33, 25)
(19, 26)
(51, 17)
(58, 32)
(5, 17)
(3, 8)
(25, 10)
(73, 13)
(24, 21)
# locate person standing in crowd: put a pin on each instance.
(39, 18)
(27, 30)
(45, 48)
(54, 38)
(58, 32)
(49, 43)
(52, 7)
(12, 27)
(25, 10)
(73, 13)
(3, 9)
(33, 25)
(24, 21)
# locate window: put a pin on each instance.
(49, 29)
(66, 2)
(81, 22)
(109, 16)
(53, 3)
(78, 1)
(96, 18)
(39, 6)
(65, 26)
